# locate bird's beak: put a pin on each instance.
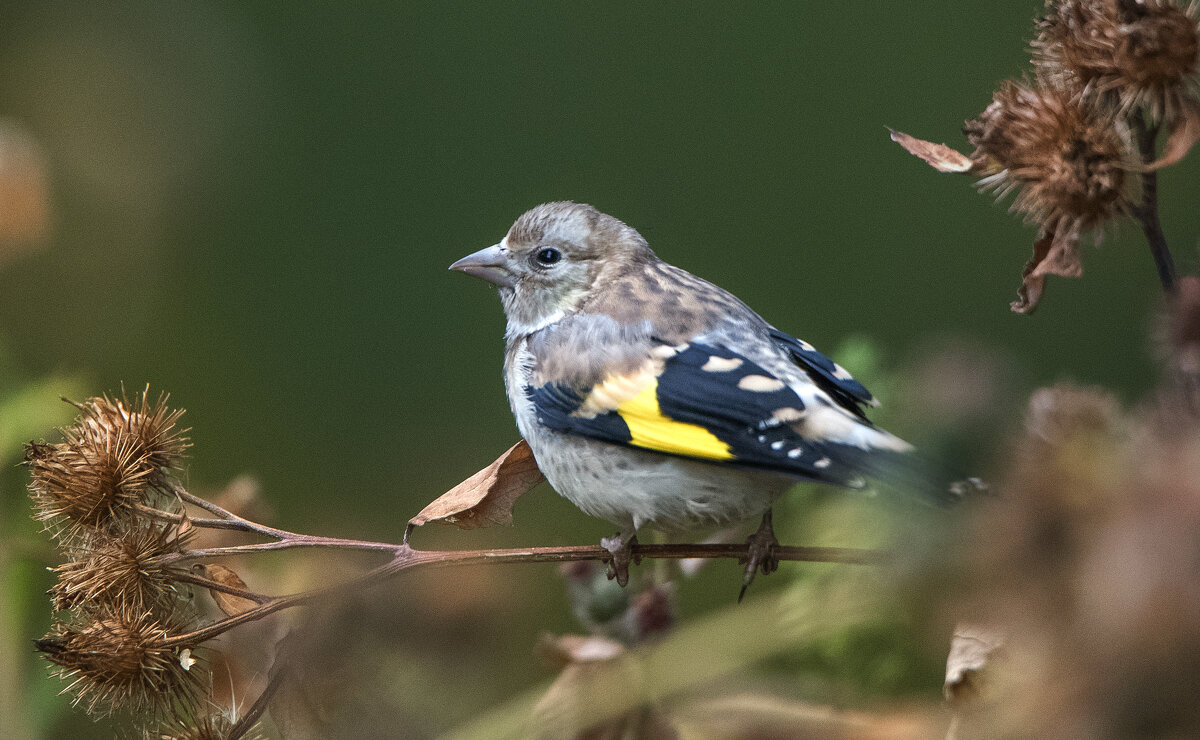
(491, 264)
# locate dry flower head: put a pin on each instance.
(111, 461)
(1066, 161)
(89, 484)
(123, 662)
(127, 571)
(1139, 52)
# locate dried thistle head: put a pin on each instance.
(126, 572)
(89, 484)
(150, 426)
(123, 662)
(1136, 52)
(1067, 162)
(112, 459)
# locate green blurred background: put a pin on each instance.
(254, 205)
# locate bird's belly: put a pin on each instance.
(632, 488)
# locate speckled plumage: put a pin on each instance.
(612, 353)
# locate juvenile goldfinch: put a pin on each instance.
(652, 397)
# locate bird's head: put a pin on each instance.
(553, 258)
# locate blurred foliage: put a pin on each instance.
(254, 206)
(29, 409)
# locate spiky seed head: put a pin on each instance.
(113, 458)
(87, 484)
(124, 572)
(122, 662)
(1066, 162)
(150, 425)
(1136, 52)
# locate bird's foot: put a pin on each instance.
(760, 554)
(620, 546)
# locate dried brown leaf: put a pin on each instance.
(228, 603)
(1054, 253)
(486, 498)
(938, 156)
(1185, 132)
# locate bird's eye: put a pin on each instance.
(548, 256)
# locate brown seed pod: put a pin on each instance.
(150, 426)
(1067, 162)
(125, 571)
(1142, 52)
(87, 484)
(121, 662)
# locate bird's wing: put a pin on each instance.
(827, 374)
(707, 402)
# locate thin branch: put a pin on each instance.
(406, 557)
(228, 520)
(299, 541)
(184, 576)
(1147, 211)
(178, 518)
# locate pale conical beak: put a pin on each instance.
(491, 264)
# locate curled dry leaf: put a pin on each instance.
(1185, 132)
(486, 498)
(938, 156)
(971, 650)
(228, 603)
(1054, 253)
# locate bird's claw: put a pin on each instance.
(760, 554)
(621, 550)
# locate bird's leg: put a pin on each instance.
(620, 546)
(761, 553)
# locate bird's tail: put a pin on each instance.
(906, 470)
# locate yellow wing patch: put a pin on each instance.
(652, 430)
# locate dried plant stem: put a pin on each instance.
(1147, 211)
(405, 557)
(198, 580)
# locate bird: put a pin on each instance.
(651, 397)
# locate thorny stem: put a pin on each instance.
(1147, 211)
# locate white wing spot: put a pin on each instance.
(721, 364)
(822, 463)
(663, 352)
(762, 438)
(841, 373)
(786, 415)
(806, 346)
(760, 383)
(777, 445)
(795, 452)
